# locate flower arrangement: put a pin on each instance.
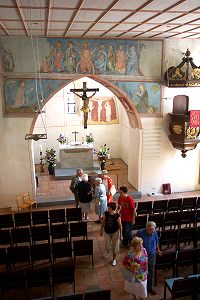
(51, 156)
(89, 138)
(62, 139)
(103, 153)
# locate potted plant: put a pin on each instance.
(103, 154)
(89, 138)
(62, 139)
(51, 159)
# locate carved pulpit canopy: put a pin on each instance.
(186, 74)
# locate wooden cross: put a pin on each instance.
(85, 108)
(75, 133)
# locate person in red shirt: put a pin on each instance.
(107, 181)
(126, 206)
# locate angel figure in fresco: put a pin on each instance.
(108, 112)
(86, 65)
(21, 99)
(132, 61)
(120, 66)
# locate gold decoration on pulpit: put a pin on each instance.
(192, 133)
(177, 129)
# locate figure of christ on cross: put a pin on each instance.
(85, 108)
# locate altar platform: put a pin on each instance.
(68, 173)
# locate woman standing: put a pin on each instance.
(112, 227)
(107, 181)
(136, 264)
(84, 191)
(101, 199)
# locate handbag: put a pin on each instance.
(113, 190)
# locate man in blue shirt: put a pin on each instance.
(151, 244)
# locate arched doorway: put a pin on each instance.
(133, 132)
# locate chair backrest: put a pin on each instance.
(144, 207)
(21, 235)
(40, 233)
(174, 204)
(57, 215)
(98, 295)
(62, 250)
(21, 205)
(74, 214)
(189, 203)
(160, 205)
(184, 287)
(63, 273)
(40, 217)
(78, 229)
(5, 237)
(140, 222)
(22, 219)
(70, 297)
(60, 231)
(6, 221)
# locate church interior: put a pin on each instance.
(79, 77)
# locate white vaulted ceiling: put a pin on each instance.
(145, 19)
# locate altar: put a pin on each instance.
(76, 155)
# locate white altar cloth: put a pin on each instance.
(76, 156)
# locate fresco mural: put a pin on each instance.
(145, 95)
(23, 96)
(103, 111)
(81, 56)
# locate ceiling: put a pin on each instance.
(109, 19)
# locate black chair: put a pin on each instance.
(38, 278)
(140, 222)
(59, 231)
(12, 281)
(57, 216)
(3, 258)
(40, 252)
(78, 229)
(5, 237)
(169, 237)
(73, 214)
(171, 220)
(82, 248)
(40, 233)
(180, 287)
(144, 208)
(98, 295)
(22, 219)
(62, 250)
(160, 206)
(6, 221)
(174, 204)
(186, 258)
(186, 235)
(198, 203)
(197, 237)
(197, 217)
(62, 273)
(18, 255)
(165, 261)
(40, 217)
(189, 203)
(158, 219)
(70, 297)
(187, 218)
(21, 235)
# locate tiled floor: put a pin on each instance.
(104, 275)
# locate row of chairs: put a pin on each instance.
(176, 259)
(168, 219)
(26, 257)
(97, 295)
(181, 236)
(26, 281)
(183, 287)
(16, 236)
(40, 217)
(161, 206)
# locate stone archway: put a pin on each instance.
(133, 156)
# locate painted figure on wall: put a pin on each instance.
(120, 66)
(58, 57)
(86, 65)
(46, 65)
(21, 98)
(103, 110)
(132, 61)
(111, 60)
(70, 59)
(100, 60)
(142, 94)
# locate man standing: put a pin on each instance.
(151, 244)
(73, 186)
(127, 206)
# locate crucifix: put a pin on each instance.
(75, 133)
(85, 108)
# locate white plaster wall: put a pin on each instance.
(17, 174)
